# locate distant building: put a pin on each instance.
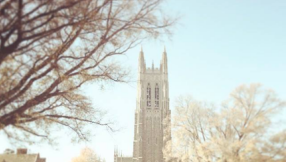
(20, 156)
(152, 132)
(120, 158)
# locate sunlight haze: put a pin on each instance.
(215, 47)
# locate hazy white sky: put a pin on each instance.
(218, 45)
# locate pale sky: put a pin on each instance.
(217, 46)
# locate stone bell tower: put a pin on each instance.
(152, 116)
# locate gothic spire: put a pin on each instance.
(164, 64)
(141, 60)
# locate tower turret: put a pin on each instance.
(115, 154)
(164, 64)
(142, 66)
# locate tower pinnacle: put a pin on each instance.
(141, 63)
(164, 64)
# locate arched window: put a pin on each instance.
(157, 95)
(148, 95)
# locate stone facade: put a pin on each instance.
(152, 115)
(152, 131)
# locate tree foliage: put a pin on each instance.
(50, 48)
(239, 131)
(87, 155)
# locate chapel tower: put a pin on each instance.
(152, 116)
